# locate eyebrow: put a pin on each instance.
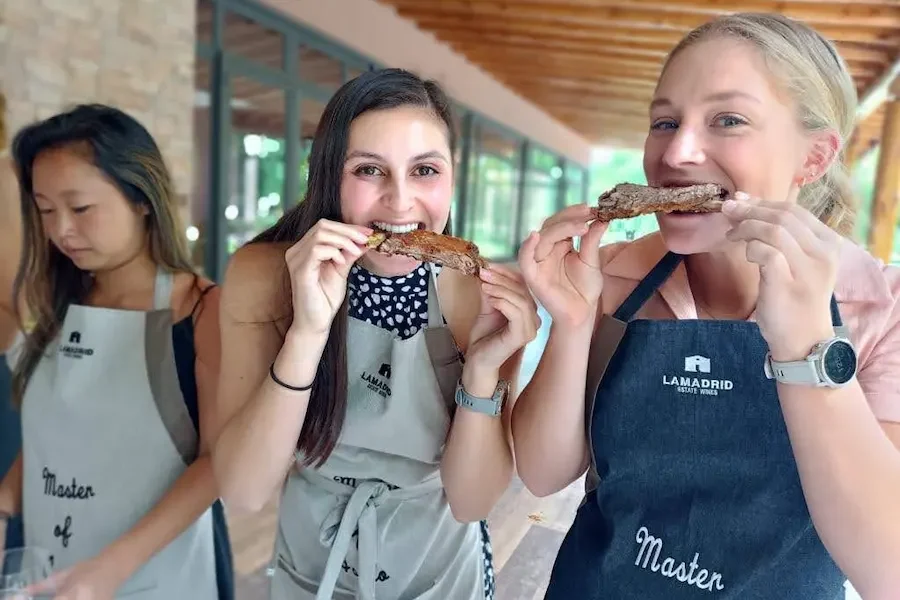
(716, 97)
(378, 157)
(66, 194)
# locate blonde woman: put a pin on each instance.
(745, 430)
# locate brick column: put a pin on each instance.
(137, 55)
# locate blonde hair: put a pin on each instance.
(809, 69)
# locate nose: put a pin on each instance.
(60, 224)
(685, 148)
(399, 195)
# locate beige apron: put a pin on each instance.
(105, 434)
(374, 521)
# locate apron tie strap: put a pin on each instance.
(358, 512)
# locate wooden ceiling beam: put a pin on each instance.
(585, 63)
(592, 41)
(657, 52)
(611, 31)
(520, 57)
(853, 55)
(666, 15)
(642, 77)
(611, 92)
(580, 86)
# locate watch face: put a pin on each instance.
(840, 362)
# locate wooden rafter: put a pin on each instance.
(593, 64)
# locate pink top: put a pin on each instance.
(867, 291)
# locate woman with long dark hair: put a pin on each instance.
(342, 367)
(116, 379)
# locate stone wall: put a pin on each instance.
(137, 55)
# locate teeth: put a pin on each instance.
(392, 228)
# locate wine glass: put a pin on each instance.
(21, 568)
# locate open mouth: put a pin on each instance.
(395, 227)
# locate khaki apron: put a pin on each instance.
(106, 433)
(374, 521)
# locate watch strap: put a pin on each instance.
(489, 406)
(800, 372)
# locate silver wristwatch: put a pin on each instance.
(831, 364)
(489, 406)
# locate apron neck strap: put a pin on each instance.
(435, 316)
(162, 289)
(661, 272)
(648, 286)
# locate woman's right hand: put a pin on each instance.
(318, 265)
(567, 282)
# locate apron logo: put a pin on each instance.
(697, 384)
(73, 349)
(696, 364)
(648, 559)
(379, 383)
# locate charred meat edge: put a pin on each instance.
(452, 252)
(631, 200)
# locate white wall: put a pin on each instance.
(376, 30)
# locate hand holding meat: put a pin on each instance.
(506, 322)
(318, 266)
(566, 281)
(797, 256)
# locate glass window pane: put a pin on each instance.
(321, 69)
(542, 188)
(256, 161)
(493, 194)
(574, 184)
(310, 113)
(253, 41)
(204, 24)
(198, 242)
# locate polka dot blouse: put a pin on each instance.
(398, 304)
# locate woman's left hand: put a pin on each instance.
(95, 579)
(798, 259)
(506, 322)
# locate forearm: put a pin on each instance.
(188, 498)
(477, 464)
(850, 472)
(256, 447)
(11, 489)
(548, 419)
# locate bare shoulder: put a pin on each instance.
(460, 297)
(257, 286)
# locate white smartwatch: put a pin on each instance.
(831, 364)
(489, 406)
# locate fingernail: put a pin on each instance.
(729, 205)
(741, 196)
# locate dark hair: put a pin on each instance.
(373, 90)
(48, 282)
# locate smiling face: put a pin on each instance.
(718, 117)
(397, 176)
(83, 214)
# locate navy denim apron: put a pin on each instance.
(699, 494)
